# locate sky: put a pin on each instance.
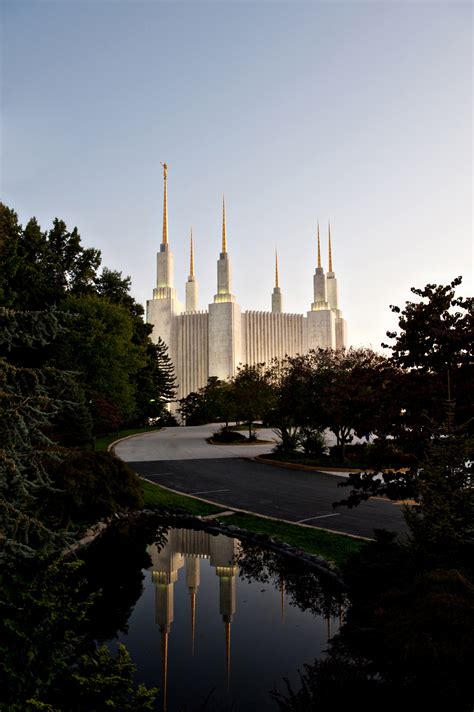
(355, 112)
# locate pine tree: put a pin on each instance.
(27, 408)
(164, 377)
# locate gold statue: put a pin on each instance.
(165, 168)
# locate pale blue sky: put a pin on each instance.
(357, 112)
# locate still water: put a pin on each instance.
(217, 624)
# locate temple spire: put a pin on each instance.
(224, 236)
(277, 302)
(191, 257)
(319, 249)
(330, 250)
(165, 206)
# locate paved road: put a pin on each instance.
(187, 444)
(230, 477)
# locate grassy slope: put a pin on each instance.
(333, 547)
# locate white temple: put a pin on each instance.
(214, 342)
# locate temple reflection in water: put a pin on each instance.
(186, 548)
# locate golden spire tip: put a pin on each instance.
(165, 206)
(224, 236)
(191, 257)
(276, 269)
(319, 248)
(330, 249)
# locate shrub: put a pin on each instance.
(353, 453)
(228, 436)
(386, 453)
(93, 485)
(288, 439)
(167, 420)
(313, 442)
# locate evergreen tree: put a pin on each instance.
(164, 378)
(27, 408)
(10, 231)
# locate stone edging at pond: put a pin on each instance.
(312, 562)
(92, 532)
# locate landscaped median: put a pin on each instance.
(293, 462)
(331, 546)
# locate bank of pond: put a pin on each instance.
(213, 621)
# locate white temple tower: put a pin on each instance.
(191, 285)
(321, 320)
(164, 307)
(277, 300)
(332, 295)
(225, 327)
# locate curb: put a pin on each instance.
(240, 442)
(135, 435)
(308, 468)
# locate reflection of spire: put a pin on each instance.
(330, 250)
(223, 558)
(193, 619)
(328, 620)
(224, 236)
(282, 593)
(227, 651)
(164, 664)
(319, 248)
(193, 579)
(165, 207)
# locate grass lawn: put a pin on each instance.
(155, 495)
(103, 442)
(332, 547)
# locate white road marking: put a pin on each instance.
(322, 516)
(209, 491)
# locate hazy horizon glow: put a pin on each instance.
(354, 112)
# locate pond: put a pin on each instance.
(213, 622)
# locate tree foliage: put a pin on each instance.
(122, 373)
(252, 394)
(436, 339)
